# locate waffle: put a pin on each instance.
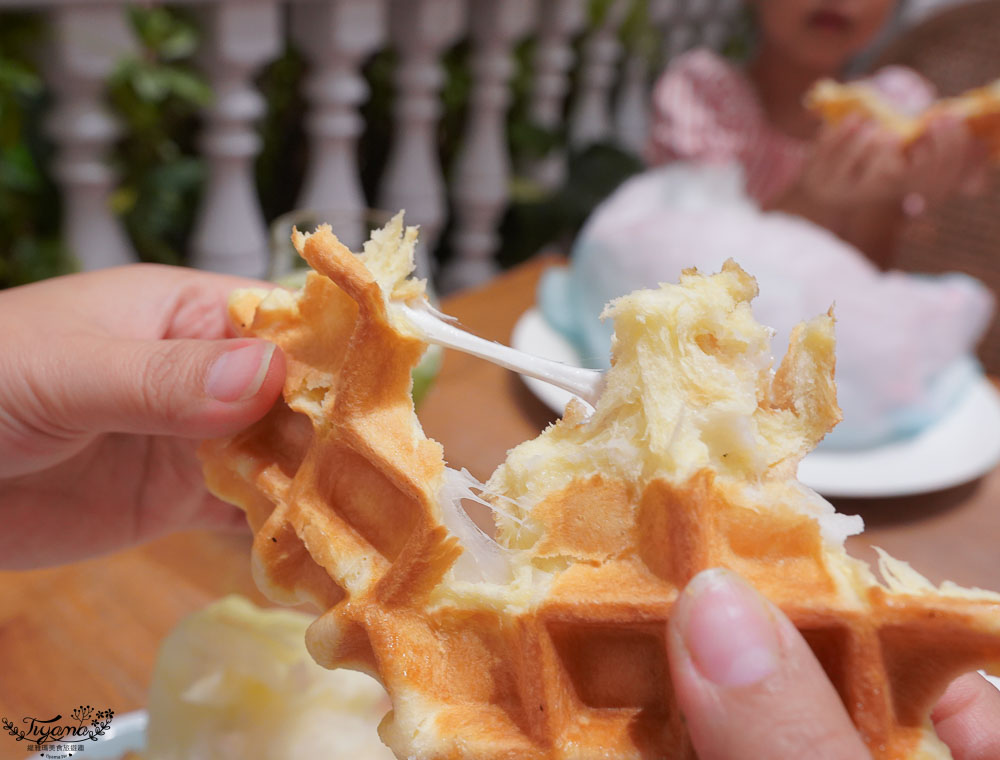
(550, 642)
(979, 108)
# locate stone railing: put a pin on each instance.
(609, 102)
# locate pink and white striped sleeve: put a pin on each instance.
(702, 110)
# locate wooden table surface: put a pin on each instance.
(88, 633)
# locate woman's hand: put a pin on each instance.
(107, 381)
(750, 687)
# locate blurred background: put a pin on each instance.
(195, 133)
(177, 133)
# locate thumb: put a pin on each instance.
(189, 388)
(967, 717)
(747, 682)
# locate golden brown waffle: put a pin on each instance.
(980, 108)
(552, 644)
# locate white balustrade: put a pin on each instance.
(335, 36)
(591, 117)
(230, 234)
(482, 170)
(91, 36)
(420, 31)
(559, 21)
(88, 40)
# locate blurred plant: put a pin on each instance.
(740, 45)
(539, 217)
(158, 94)
(536, 220)
(373, 146)
(639, 35)
(30, 247)
(282, 160)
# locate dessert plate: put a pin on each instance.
(961, 446)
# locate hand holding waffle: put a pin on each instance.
(750, 687)
(555, 639)
(852, 164)
(858, 161)
(950, 143)
(109, 378)
(978, 109)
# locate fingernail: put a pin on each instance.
(237, 375)
(727, 629)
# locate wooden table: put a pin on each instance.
(88, 633)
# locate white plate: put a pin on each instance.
(959, 447)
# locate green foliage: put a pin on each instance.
(638, 34)
(537, 219)
(598, 9)
(740, 45)
(30, 247)
(158, 94)
(373, 147)
(528, 140)
(282, 160)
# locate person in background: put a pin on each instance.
(855, 179)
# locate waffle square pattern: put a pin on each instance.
(548, 641)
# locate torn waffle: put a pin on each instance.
(979, 108)
(550, 641)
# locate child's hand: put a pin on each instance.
(852, 164)
(946, 159)
(107, 380)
